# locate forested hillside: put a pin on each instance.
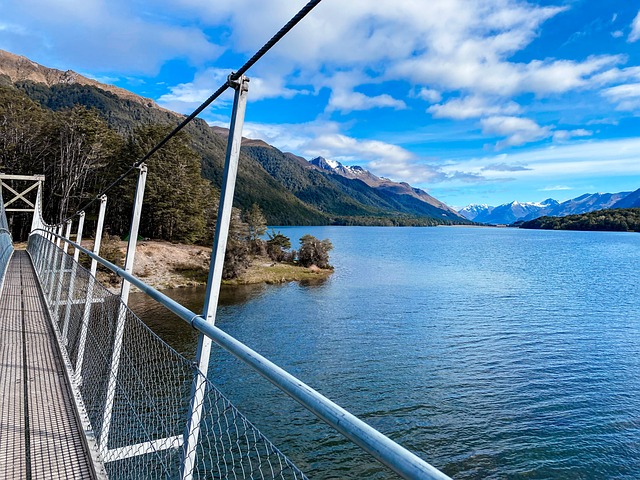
(619, 220)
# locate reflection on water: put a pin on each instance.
(492, 353)
(174, 330)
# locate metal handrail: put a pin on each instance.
(386, 451)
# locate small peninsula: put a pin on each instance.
(163, 265)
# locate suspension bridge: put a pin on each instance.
(89, 391)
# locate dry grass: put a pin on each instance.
(264, 270)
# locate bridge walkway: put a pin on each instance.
(40, 435)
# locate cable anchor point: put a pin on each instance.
(240, 82)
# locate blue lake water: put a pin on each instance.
(491, 353)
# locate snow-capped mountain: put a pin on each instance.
(588, 202)
(470, 212)
(355, 171)
(512, 212)
(379, 183)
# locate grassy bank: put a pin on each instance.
(169, 265)
(264, 270)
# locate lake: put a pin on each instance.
(490, 352)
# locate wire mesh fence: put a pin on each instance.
(137, 390)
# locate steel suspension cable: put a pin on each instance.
(234, 76)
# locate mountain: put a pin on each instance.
(630, 201)
(290, 190)
(355, 172)
(16, 69)
(588, 202)
(471, 212)
(381, 184)
(515, 211)
(507, 213)
(319, 183)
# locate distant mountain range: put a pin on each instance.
(289, 189)
(515, 211)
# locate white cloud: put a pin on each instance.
(345, 101)
(635, 29)
(564, 135)
(565, 161)
(555, 188)
(346, 148)
(559, 162)
(186, 97)
(617, 33)
(104, 36)
(615, 75)
(271, 87)
(473, 107)
(322, 138)
(626, 96)
(430, 95)
(452, 45)
(517, 130)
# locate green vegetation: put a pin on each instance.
(246, 249)
(314, 252)
(278, 247)
(618, 220)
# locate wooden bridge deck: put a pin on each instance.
(40, 436)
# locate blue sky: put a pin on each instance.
(476, 101)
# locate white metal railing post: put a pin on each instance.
(192, 430)
(67, 235)
(76, 252)
(58, 239)
(72, 281)
(63, 266)
(89, 300)
(122, 312)
(133, 232)
(53, 271)
(50, 246)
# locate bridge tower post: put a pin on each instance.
(86, 315)
(192, 430)
(122, 311)
(72, 282)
